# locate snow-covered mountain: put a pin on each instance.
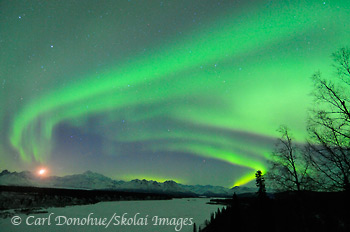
(86, 180)
(92, 180)
(25, 178)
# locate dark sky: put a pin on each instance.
(191, 91)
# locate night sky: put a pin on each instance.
(191, 91)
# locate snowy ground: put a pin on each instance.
(176, 211)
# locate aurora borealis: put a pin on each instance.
(191, 91)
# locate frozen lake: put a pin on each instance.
(179, 213)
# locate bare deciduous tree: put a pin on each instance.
(289, 167)
(329, 126)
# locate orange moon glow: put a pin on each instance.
(42, 172)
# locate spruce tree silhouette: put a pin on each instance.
(260, 183)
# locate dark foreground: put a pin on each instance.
(32, 199)
(308, 211)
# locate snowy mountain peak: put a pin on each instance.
(93, 180)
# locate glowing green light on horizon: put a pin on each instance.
(172, 72)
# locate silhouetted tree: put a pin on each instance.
(194, 227)
(260, 183)
(234, 200)
(212, 217)
(329, 125)
(289, 166)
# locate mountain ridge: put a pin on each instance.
(96, 181)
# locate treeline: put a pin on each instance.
(14, 197)
(288, 211)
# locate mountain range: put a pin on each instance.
(96, 181)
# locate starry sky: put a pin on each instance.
(191, 91)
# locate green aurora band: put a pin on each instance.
(214, 98)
